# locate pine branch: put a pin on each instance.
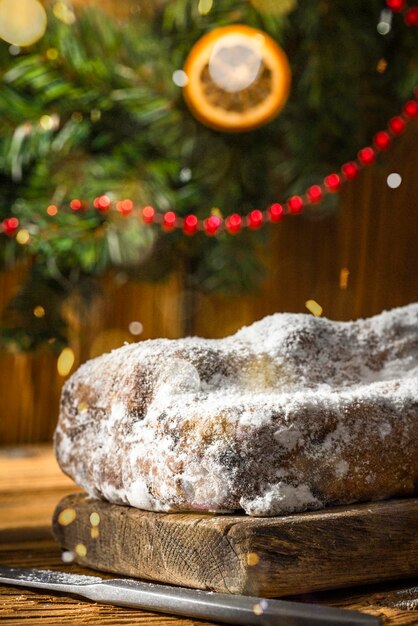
(103, 115)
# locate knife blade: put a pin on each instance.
(218, 607)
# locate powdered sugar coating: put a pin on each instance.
(289, 414)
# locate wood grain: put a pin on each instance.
(254, 556)
(34, 470)
(18, 605)
(25, 473)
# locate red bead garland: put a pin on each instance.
(255, 219)
(10, 226)
(332, 182)
(76, 204)
(125, 206)
(190, 224)
(295, 204)
(233, 223)
(314, 194)
(366, 156)
(102, 203)
(395, 5)
(411, 17)
(410, 109)
(212, 224)
(169, 220)
(148, 214)
(397, 125)
(276, 212)
(350, 170)
(382, 140)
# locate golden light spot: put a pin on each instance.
(46, 122)
(83, 406)
(314, 308)
(95, 115)
(252, 559)
(63, 13)
(94, 532)
(94, 519)
(23, 236)
(204, 6)
(22, 23)
(52, 210)
(381, 66)
(52, 54)
(81, 549)
(216, 211)
(257, 609)
(39, 311)
(66, 517)
(344, 274)
(261, 607)
(65, 362)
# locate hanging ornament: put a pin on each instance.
(238, 78)
(22, 22)
(274, 7)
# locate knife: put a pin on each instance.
(220, 607)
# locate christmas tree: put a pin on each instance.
(96, 130)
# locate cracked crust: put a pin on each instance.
(289, 414)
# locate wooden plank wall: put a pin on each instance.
(374, 235)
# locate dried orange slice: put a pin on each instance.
(238, 78)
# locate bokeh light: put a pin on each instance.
(235, 62)
(314, 308)
(39, 311)
(22, 23)
(180, 78)
(204, 6)
(136, 328)
(394, 180)
(65, 362)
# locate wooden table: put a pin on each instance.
(31, 484)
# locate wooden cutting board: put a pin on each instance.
(270, 557)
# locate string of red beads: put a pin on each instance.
(169, 220)
(234, 223)
(350, 170)
(102, 203)
(315, 194)
(410, 13)
(190, 224)
(212, 224)
(396, 5)
(276, 212)
(10, 226)
(382, 140)
(411, 16)
(332, 182)
(255, 219)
